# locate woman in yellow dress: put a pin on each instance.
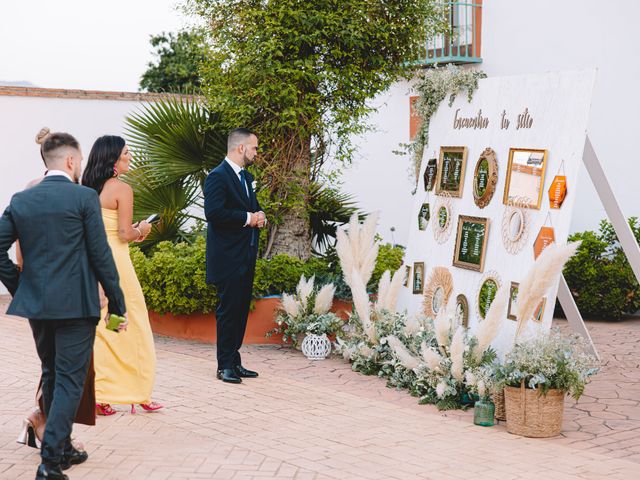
(124, 362)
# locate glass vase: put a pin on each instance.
(483, 412)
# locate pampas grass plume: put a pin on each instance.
(290, 305)
(488, 328)
(431, 358)
(442, 326)
(457, 354)
(540, 278)
(383, 289)
(361, 304)
(324, 299)
(304, 290)
(394, 290)
(406, 358)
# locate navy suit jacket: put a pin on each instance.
(65, 250)
(229, 242)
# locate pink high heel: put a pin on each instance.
(149, 407)
(105, 409)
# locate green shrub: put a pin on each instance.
(599, 275)
(173, 276)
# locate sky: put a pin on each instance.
(84, 44)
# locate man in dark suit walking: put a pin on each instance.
(65, 255)
(234, 217)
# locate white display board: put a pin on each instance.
(547, 112)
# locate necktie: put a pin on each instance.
(245, 184)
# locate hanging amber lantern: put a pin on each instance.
(545, 238)
(557, 191)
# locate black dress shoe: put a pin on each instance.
(47, 471)
(228, 375)
(73, 457)
(244, 373)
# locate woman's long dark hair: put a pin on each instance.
(103, 157)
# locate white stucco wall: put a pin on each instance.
(520, 37)
(22, 117)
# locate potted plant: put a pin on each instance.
(306, 313)
(537, 374)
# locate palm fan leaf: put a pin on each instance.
(178, 137)
(328, 209)
(172, 201)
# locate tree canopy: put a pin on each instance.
(301, 74)
(176, 67)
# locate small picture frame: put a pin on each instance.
(471, 243)
(513, 301)
(451, 168)
(525, 176)
(430, 172)
(407, 275)
(462, 311)
(423, 216)
(418, 277)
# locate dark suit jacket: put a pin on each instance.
(65, 250)
(228, 241)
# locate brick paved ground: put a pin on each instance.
(319, 420)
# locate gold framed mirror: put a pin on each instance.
(485, 178)
(486, 294)
(462, 311)
(525, 176)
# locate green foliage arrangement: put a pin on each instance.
(553, 361)
(599, 275)
(433, 86)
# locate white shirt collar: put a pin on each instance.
(58, 173)
(236, 168)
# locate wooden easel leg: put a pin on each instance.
(614, 212)
(573, 314)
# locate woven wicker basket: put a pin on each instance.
(533, 415)
(498, 401)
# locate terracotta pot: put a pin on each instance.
(202, 327)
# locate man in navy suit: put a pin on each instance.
(65, 255)
(234, 217)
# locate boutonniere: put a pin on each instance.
(254, 185)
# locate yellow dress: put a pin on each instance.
(125, 362)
